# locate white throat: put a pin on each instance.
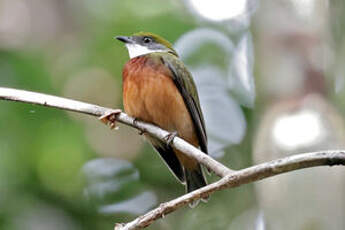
(136, 50)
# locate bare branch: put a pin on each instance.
(230, 178)
(90, 109)
(235, 179)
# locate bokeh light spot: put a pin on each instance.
(218, 10)
(298, 130)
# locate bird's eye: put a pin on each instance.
(147, 40)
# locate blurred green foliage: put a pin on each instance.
(43, 150)
(66, 48)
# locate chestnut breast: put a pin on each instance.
(150, 94)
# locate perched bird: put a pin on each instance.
(158, 88)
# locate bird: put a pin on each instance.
(159, 89)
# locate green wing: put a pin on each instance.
(185, 84)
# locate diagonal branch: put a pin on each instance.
(240, 177)
(95, 110)
(230, 178)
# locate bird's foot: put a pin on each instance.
(135, 122)
(109, 118)
(170, 137)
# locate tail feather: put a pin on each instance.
(195, 179)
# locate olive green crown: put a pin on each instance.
(158, 39)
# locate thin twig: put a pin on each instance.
(235, 179)
(95, 110)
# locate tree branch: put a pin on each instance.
(95, 110)
(235, 179)
(230, 178)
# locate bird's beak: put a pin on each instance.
(124, 39)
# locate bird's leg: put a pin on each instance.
(170, 137)
(109, 118)
(135, 121)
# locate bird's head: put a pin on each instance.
(143, 43)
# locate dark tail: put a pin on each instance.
(195, 179)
